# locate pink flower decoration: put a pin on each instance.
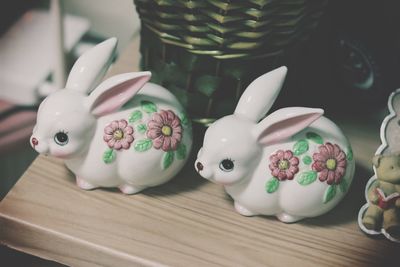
(283, 165)
(330, 162)
(165, 129)
(118, 135)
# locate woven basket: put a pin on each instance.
(207, 51)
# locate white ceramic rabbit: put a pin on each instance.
(117, 136)
(294, 163)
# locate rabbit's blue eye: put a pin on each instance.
(61, 138)
(226, 165)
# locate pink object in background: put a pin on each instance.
(16, 125)
(15, 128)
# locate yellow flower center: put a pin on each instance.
(166, 130)
(331, 164)
(118, 134)
(283, 165)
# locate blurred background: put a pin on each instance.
(29, 48)
(347, 61)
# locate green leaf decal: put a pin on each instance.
(184, 119)
(109, 156)
(343, 186)
(272, 185)
(306, 178)
(148, 107)
(307, 160)
(181, 152)
(168, 159)
(300, 147)
(143, 145)
(141, 128)
(349, 154)
(329, 193)
(135, 116)
(314, 137)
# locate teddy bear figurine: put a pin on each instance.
(384, 196)
(381, 213)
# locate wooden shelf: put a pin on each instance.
(186, 222)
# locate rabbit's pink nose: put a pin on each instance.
(34, 141)
(199, 166)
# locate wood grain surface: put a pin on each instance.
(187, 222)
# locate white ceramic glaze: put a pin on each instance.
(293, 164)
(123, 132)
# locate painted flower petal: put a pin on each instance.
(320, 157)
(157, 118)
(272, 166)
(129, 138)
(336, 150)
(342, 163)
(176, 122)
(273, 158)
(125, 144)
(330, 177)
(323, 175)
(167, 143)
(289, 175)
(280, 154)
(275, 172)
(282, 175)
(108, 130)
(339, 173)
(338, 176)
(293, 169)
(174, 143)
(154, 125)
(177, 136)
(118, 145)
(287, 154)
(177, 129)
(341, 156)
(323, 151)
(107, 137)
(294, 161)
(128, 130)
(122, 124)
(164, 116)
(341, 170)
(318, 166)
(114, 125)
(158, 142)
(153, 133)
(330, 149)
(111, 143)
(170, 116)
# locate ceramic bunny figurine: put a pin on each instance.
(123, 132)
(294, 163)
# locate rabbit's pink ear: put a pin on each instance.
(114, 92)
(284, 123)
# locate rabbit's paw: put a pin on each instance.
(287, 218)
(129, 189)
(84, 184)
(242, 210)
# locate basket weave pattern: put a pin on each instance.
(207, 51)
